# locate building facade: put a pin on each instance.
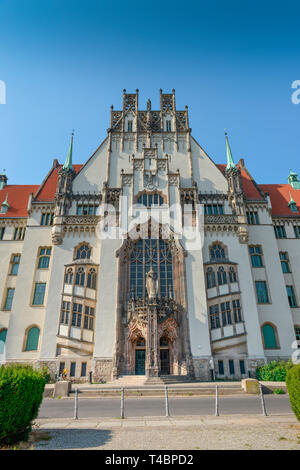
(149, 259)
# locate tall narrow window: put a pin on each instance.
(76, 314)
(65, 313)
(80, 277)
(73, 369)
(214, 317)
(297, 333)
(9, 298)
(231, 367)
(226, 313)
(2, 232)
(83, 369)
(129, 128)
(210, 278)
(168, 126)
(291, 296)
(44, 258)
(69, 276)
(237, 312)
(242, 367)
(269, 336)
(222, 276)
(256, 256)
(297, 231)
(280, 231)
(252, 218)
(91, 279)
(89, 314)
(47, 218)
(232, 275)
(262, 292)
(39, 293)
(3, 334)
(19, 233)
(284, 260)
(146, 254)
(221, 367)
(32, 339)
(14, 263)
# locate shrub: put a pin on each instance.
(278, 391)
(21, 393)
(293, 386)
(274, 371)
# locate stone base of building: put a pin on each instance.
(102, 370)
(201, 369)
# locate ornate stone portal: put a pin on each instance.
(152, 323)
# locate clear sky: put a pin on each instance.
(64, 62)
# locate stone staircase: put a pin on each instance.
(129, 381)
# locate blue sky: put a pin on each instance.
(65, 62)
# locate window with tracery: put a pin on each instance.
(217, 253)
(83, 252)
(146, 254)
(149, 200)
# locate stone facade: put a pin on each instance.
(75, 259)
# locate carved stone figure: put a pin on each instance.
(152, 284)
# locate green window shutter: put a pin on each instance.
(32, 339)
(269, 337)
(3, 334)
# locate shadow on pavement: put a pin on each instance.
(73, 439)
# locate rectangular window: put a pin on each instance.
(221, 367)
(129, 126)
(231, 367)
(242, 367)
(284, 260)
(297, 231)
(256, 256)
(262, 292)
(87, 209)
(226, 313)
(279, 231)
(73, 369)
(291, 296)
(15, 261)
(19, 233)
(9, 298)
(39, 293)
(61, 368)
(2, 231)
(213, 209)
(65, 313)
(47, 218)
(168, 126)
(237, 314)
(83, 369)
(214, 316)
(252, 218)
(76, 315)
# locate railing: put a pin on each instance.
(166, 399)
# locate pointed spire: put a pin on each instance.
(292, 202)
(68, 163)
(230, 163)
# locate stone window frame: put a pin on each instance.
(252, 217)
(223, 247)
(43, 255)
(3, 342)
(285, 261)
(227, 269)
(78, 247)
(5, 298)
(34, 325)
(255, 254)
(297, 333)
(267, 291)
(275, 332)
(151, 193)
(47, 217)
(217, 302)
(12, 263)
(294, 297)
(19, 233)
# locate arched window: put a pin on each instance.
(146, 254)
(210, 278)
(269, 335)
(217, 252)
(232, 275)
(32, 341)
(222, 276)
(69, 276)
(3, 334)
(149, 200)
(83, 252)
(80, 277)
(91, 278)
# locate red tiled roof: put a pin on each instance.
(249, 187)
(280, 197)
(47, 189)
(17, 199)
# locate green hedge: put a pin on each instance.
(21, 393)
(293, 386)
(274, 371)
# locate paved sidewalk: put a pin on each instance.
(186, 432)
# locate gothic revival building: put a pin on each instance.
(91, 282)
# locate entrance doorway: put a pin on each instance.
(164, 362)
(140, 355)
